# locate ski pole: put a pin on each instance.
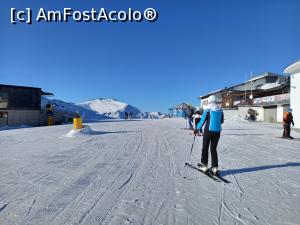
(192, 146)
(191, 149)
(190, 155)
(186, 123)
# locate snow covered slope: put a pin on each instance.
(110, 108)
(131, 172)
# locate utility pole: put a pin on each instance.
(251, 83)
(245, 88)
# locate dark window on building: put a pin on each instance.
(3, 115)
(239, 98)
(271, 79)
(24, 98)
(3, 119)
(3, 100)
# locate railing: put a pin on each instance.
(272, 99)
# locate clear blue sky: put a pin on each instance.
(194, 47)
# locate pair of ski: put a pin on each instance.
(209, 173)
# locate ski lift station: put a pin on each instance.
(294, 71)
(179, 111)
(20, 105)
(268, 94)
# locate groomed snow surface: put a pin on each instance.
(131, 172)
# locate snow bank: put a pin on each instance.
(86, 130)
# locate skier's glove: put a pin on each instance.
(196, 132)
(200, 132)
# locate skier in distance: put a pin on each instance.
(287, 121)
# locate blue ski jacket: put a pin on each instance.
(212, 120)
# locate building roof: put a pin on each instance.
(293, 68)
(46, 93)
(267, 74)
(182, 106)
(16, 86)
(211, 93)
(261, 76)
(26, 87)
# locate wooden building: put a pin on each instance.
(20, 105)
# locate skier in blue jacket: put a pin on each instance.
(212, 117)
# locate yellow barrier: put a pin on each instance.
(50, 120)
(77, 123)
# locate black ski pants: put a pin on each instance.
(286, 130)
(197, 120)
(210, 139)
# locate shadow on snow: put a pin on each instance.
(111, 132)
(109, 120)
(245, 134)
(257, 168)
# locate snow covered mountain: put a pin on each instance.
(101, 109)
(110, 108)
(71, 108)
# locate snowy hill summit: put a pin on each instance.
(101, 108)
(110, 108)
(69, 108)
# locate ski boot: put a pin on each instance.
(203, 168)
(215, 171)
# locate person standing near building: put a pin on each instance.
(190, 113)
(197, 117)
(287, 121)
(212, 117)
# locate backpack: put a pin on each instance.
(286, 117)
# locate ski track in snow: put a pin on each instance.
(131, 172)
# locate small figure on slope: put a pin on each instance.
(287, 121)
(212, 117)
(190, 113)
